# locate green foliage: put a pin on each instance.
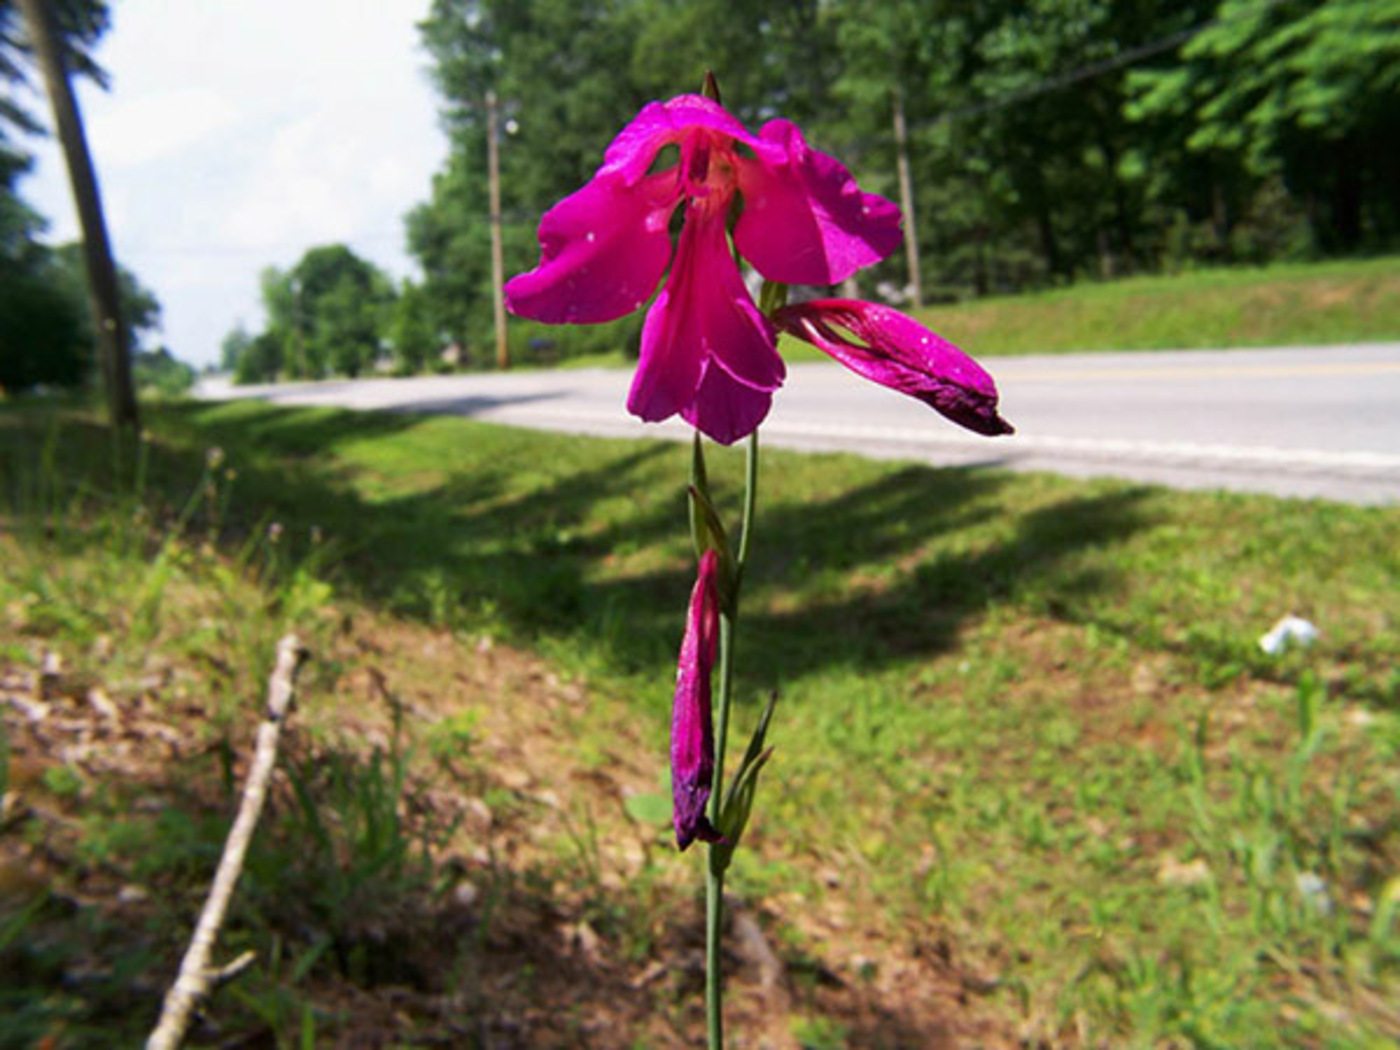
(1049, 142)
(44, 332)
(233, 346)
(139, 305)
(1305, 89)
(42, 324)
(568, 75)
(161, 373)
(983, 678)
(415, 340)
(1303, 304)
(327, 314)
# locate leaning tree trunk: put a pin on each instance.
(97, 252)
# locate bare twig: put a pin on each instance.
(229, 971)
(195, 977)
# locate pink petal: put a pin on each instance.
(704, 322)
(806, 221)
(661, 124)
(603, 250)
(726, 409)
(692, 734)
(898, 352)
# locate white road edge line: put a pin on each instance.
(1261, 455)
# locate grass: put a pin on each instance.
(1296, 304)
(1286, 304)
(1283, 305)
(1028, 751)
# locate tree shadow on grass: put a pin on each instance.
(885, 566)
(920, 609)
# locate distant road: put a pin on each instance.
(1304, 421)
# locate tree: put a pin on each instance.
(50, 47)
(41, 327)
(1049, 140)
(411, 333)
(46, 329)
(161, 372)
(42, 336)
(342, 304)
(568, 74)
(232, 347)
(261, 361)
(328, 313)
(1308, 90)
(140, 309)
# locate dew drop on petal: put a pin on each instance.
(590, 237)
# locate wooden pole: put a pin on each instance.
(498, 266)
(906, 200)
(103, 287)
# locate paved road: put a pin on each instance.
(1308, 421)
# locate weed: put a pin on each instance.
(819, 1033)
(450, 742)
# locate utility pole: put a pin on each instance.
(498, 266)
(103, 288)
(906, 199)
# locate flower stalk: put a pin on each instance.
(709, 354)
(721, 853)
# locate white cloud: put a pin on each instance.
(155, 127)
(239, 133)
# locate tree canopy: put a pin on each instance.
(325, 315)
(45, 324)
(1049, 141)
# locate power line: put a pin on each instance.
(1074, 76)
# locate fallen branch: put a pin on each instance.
(196, 978)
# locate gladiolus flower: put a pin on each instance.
(692, 734)
(896, 351)
(707, 351)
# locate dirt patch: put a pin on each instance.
(539, 914)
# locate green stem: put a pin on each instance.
(714, 873)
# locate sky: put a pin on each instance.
(238, 133)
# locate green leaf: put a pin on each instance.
(739, 798)
(709, 534)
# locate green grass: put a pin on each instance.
(1021, 716)
(1283, 305)
(1298, 304)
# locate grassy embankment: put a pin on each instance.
(1034, 778)
(1286, 305)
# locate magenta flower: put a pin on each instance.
(692, 735)
(896, 351)
(707, 351)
